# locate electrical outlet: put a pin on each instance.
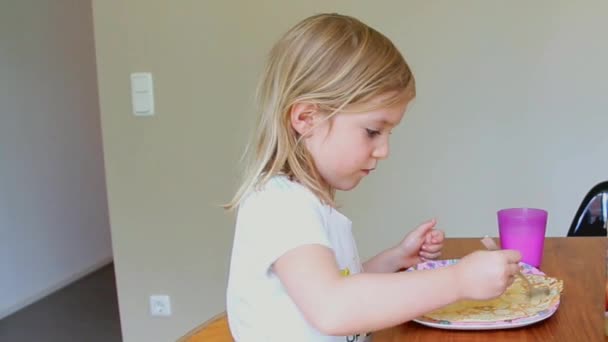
(160, 305)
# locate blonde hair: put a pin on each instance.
(329, 60)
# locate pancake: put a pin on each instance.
(512, 304)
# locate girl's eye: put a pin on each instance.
(372, 133)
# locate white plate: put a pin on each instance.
(500, 324)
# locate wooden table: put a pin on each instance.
(578, 261)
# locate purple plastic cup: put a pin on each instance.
(523, 229)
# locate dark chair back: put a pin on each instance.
(592, 215)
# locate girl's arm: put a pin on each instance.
(388, 261)
(365, 302)
(423, 242)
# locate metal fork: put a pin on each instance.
(533, 290)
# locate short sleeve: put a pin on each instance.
(277, 220)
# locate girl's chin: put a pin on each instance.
(347, 185)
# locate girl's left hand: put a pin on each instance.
(424, 242)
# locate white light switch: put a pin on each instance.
(142, 93)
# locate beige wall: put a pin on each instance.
(53, 209)
(510, 112)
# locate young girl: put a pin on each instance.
(332, 91)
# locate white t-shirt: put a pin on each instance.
(270, 222)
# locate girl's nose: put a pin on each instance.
(381, 152)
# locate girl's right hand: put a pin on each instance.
(486, 274)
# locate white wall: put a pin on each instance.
(53, 211)
(511, 111)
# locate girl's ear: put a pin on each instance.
(303, 117)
